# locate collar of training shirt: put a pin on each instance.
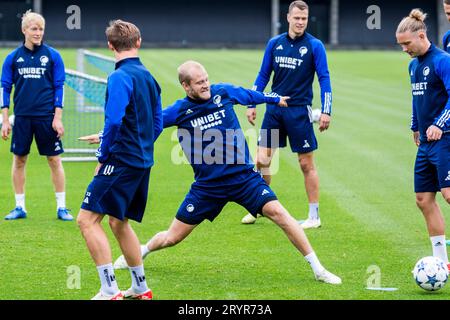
(133, 60)
(431, 48)
(35, 49)
(295, 40)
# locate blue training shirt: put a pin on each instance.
(430, 80)
(38, 77)
(294, 63)
(210, 134)
(446, 42)
(133, 116)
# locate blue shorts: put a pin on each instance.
(206, 201)
(432, 168)
(41, 128)
(293, 122)
(119, 191)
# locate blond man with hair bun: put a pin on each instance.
(36, 70)
(430, 123)
(446, 38)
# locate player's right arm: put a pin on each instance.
(414, 126)
(170, 115)
(263, 78)
(5, 94)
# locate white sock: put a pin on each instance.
(144, 251)
(20, 201)
(138, 282)
(315, 263)
(60, 200)
(313, 211)
(439, 248)
(108, 279)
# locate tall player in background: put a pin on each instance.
(294, 57)
(446, 39)
(430, 122)
(133, 121)
(37, 73)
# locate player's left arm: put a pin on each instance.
(442, 122)
(120, 89)
(323, 74)
(157, 114)
(247, 97)
(59, 76)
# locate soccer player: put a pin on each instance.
(213, 142)
(133, 121)
(37, 73)
(430, 78)
(446, 39)
(293, 57)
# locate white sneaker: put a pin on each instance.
(327, 277)
(120, 263)
(250, 219)
(101, 296)
(310, 223)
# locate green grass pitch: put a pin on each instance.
(365, 163)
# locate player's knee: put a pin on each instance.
(20, 162)
(262, 162)
(306, 164)
(54, 162)
(83, 223)
(276, 214)
(116, 225)
(447, 197)
(421, 201)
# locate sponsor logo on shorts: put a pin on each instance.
(86, 199)
(265, 191)
(108, 170)
(448, 177)
(306, 145)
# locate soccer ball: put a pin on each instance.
(430, 273)
(315, 115)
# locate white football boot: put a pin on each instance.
(327, 277)
(101, 296)
(120, 263)
(250, 219)
(310, 223)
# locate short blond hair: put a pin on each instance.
(122, 35)
(301, 5)
(29, 17)
(413, 22)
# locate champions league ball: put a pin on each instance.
(430, 273)
(315, 115)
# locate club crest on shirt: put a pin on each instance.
(426, 71)
(303, 51)
(218, 101)
(44, 60)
